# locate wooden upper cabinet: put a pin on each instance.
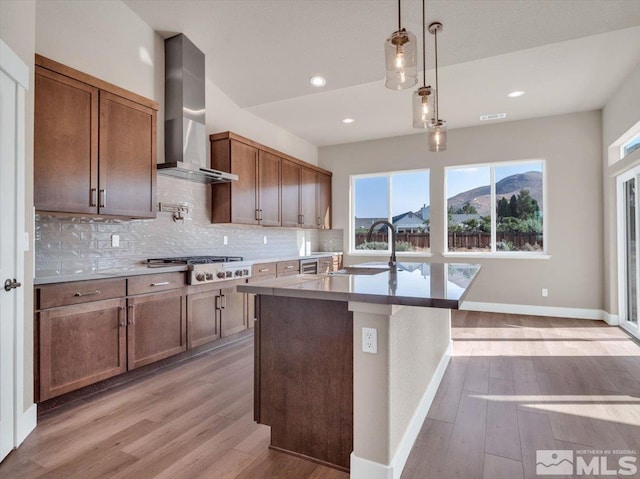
(94, 145)
(308, 180)
(65, 144)
(235, 202)
(127, 158)
(273, 189)
(323, 201)
(269, 189)
(290, 193)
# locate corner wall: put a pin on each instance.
(620, 113)
(572, 147)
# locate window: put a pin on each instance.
(630, 146)
(401, 198)
(496, 208)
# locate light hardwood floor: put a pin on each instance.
(515, 384)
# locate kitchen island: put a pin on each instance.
(323, 396)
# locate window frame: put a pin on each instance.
(623, 146)
(494, 253)
(352, 210)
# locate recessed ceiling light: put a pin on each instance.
(515, 94)
(348, 120)
(318, 81)
(493, 116)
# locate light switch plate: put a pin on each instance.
(225, 240)
(115, 241)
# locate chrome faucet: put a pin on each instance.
(392, 259)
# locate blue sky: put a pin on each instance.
(411, 190)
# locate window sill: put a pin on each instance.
(388, 253)
(505, 255)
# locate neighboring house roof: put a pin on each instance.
(365, 223)
(408, 220)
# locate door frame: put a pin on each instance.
(621, 179)
(24, 419)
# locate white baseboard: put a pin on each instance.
(572, 313)
(26, 424)
(364, 469)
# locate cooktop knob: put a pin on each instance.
(246, 272)
(200, 277)
(238, 272)
(229, 274)
(220, 274)
(209, 276)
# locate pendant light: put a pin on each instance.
(421, 111)
(437, 135)
(400, 58)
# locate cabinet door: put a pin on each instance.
(290, 193)
(127, 158)
(156, 327)
(233, 316)
(80, 345)
(203, 320)
(269, 189)
(251, 298)
(65, 144)
(323, 201)
(244, 199)
(308, 180)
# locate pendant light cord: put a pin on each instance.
(437, 89)
(424, 51)
(399, 22)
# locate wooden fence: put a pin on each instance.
(461, 241)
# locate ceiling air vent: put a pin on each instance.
(493, 116)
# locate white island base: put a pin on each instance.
(393, 389)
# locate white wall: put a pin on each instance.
(572, 146)
(17, 29)
(621, 112)
(106, 39)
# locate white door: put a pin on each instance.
(14, 76)
(628, 248)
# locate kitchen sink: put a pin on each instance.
(361, 270)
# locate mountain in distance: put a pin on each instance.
(480, 197)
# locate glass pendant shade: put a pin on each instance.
(422, 107)
(401, 60)
(437, 135)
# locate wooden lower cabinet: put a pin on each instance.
(80, 345)
(233, 312)
(203, 320)
(156, 327)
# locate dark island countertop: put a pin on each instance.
(436, 285)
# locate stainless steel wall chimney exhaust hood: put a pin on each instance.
(184, 125)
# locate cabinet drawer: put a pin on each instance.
(288, 267)
(325, 264)
(151, 283)
(53, 295)
(263, 269)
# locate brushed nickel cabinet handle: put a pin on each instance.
(103, 198)
(290, 267)
(121, 320)
(131, 316)
(217, 303)
(163, 283)
(93, 197)
(264, 270)
(224, 302)
(87, 293)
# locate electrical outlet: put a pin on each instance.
(370, 340)
(225, 240)
(264, 239)
(115, 241)
(545, 292)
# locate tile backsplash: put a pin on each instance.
(68, 244)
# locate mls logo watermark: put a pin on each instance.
(596, 462)
(554, 462)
